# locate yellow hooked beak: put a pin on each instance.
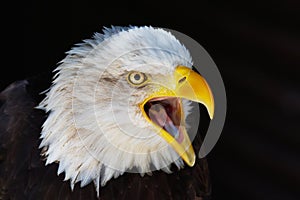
(188, 85)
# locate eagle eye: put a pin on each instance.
(136, 78)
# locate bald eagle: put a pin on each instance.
(111, 126)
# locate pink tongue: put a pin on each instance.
(157, 113)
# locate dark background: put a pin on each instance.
(256, 47)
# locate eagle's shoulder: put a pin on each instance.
(23, 174)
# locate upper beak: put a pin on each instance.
(188, 85)
(192, 86)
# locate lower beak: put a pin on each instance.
(188, 85)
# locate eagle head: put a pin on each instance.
(118, 103)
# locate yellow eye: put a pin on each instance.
(136, 78)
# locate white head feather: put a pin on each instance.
(95, 130)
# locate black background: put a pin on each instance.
(256, 47)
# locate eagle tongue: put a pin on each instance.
(157, 114)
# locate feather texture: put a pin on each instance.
(23, 174)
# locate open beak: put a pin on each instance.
(164, 109)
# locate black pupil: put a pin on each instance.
(137, 77)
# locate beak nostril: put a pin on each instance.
(182, 79)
